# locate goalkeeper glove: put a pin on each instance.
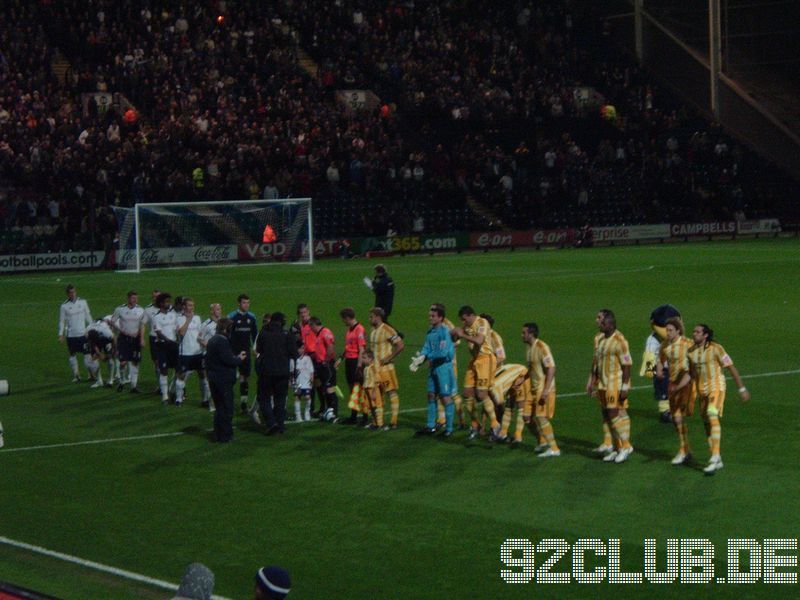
(368, 282)
(416, 361)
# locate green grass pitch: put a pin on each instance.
(357, 514)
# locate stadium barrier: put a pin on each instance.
(404, 244)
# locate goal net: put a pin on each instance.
(188, 234)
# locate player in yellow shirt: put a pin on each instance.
(610, 381)
(481, 368)
(373, 395)
(500, 355)
(510, 382)
(707, 359)
(541, 376)
(680, 393)
(457, 400)
(386, 344)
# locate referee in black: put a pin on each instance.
(221, 365)
(276, 348)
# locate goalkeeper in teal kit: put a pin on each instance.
(439, 351)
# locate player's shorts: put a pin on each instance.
(610, 400)
(326, 374)
(370, 377)
(129, 348)
(167, 355)
(192, 362)
(300, 392)
(683, 400)
(102, 345)
(351, 371)
(153, 348)
(532, 406)
(442, 381)
(387, 377)
(715, 400)
(480, 372)
(78, 345)
(246, 367)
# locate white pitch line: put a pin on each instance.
(404, 411)
(166, 585)
(89, 442)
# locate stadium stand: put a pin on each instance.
(491, 115)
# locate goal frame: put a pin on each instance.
(278, 201)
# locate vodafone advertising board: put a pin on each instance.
(280, 251)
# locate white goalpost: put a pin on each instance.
(193, 234)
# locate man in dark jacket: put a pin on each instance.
(221, 364)
(276, 348)
(383, 287)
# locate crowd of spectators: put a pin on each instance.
(498, 102)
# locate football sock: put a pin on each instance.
(111, 369)
(307, 416)
(378, 410)
(298, 413)
(625, 427)
(432, 413)
(333, 401)
(547, 431)
(488, 408)
(163, 384)
(89, 363)
(469, 407)
(682, 431)
(206, 390)
(505, 424)
(394, 401)
(449, 416)
(519, 426)
(607, 439)
(457, 402)
(133, 373)
(663, 406)
(716, 434)
(440, 416)
(73, 363)
(179, 387)
(617, 424)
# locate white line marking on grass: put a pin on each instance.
(96, 566)
(635, 387)
(407, 410)
(89, 442)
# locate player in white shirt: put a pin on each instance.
(303, 384)
(165, 325)
(73, 319)
(190, 354)
(208, 329)
(128, 320)
(150, 311)
(102, 346)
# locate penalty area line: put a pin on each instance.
(89, 564)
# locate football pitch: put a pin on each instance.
(121, 480)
